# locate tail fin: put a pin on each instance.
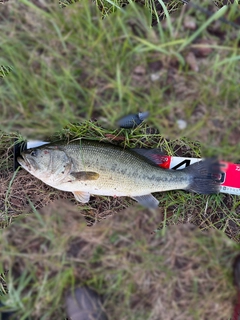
(205, 176)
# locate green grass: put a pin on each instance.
(94, 73)
(4, 71)
(69, 65)
(122, 259)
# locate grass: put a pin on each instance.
(69, 65)
(140, 274)
(4, 71)
(65, 76)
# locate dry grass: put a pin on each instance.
(142, 274)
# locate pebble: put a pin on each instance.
(182, 124)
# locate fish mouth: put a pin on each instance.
(22, 160)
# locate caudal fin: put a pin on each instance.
(205, 176)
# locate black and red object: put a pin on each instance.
(230, 172)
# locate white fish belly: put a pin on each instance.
(117, 185)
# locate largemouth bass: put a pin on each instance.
(87, 168)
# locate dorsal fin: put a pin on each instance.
(154, 156)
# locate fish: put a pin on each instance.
(86, 168)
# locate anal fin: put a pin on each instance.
(147, 200)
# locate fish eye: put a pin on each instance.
(33, 153)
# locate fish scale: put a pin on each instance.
(118, 166)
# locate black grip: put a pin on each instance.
(17, 149)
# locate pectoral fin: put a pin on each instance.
(81, 196)
(85, 175)
(148, 201)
